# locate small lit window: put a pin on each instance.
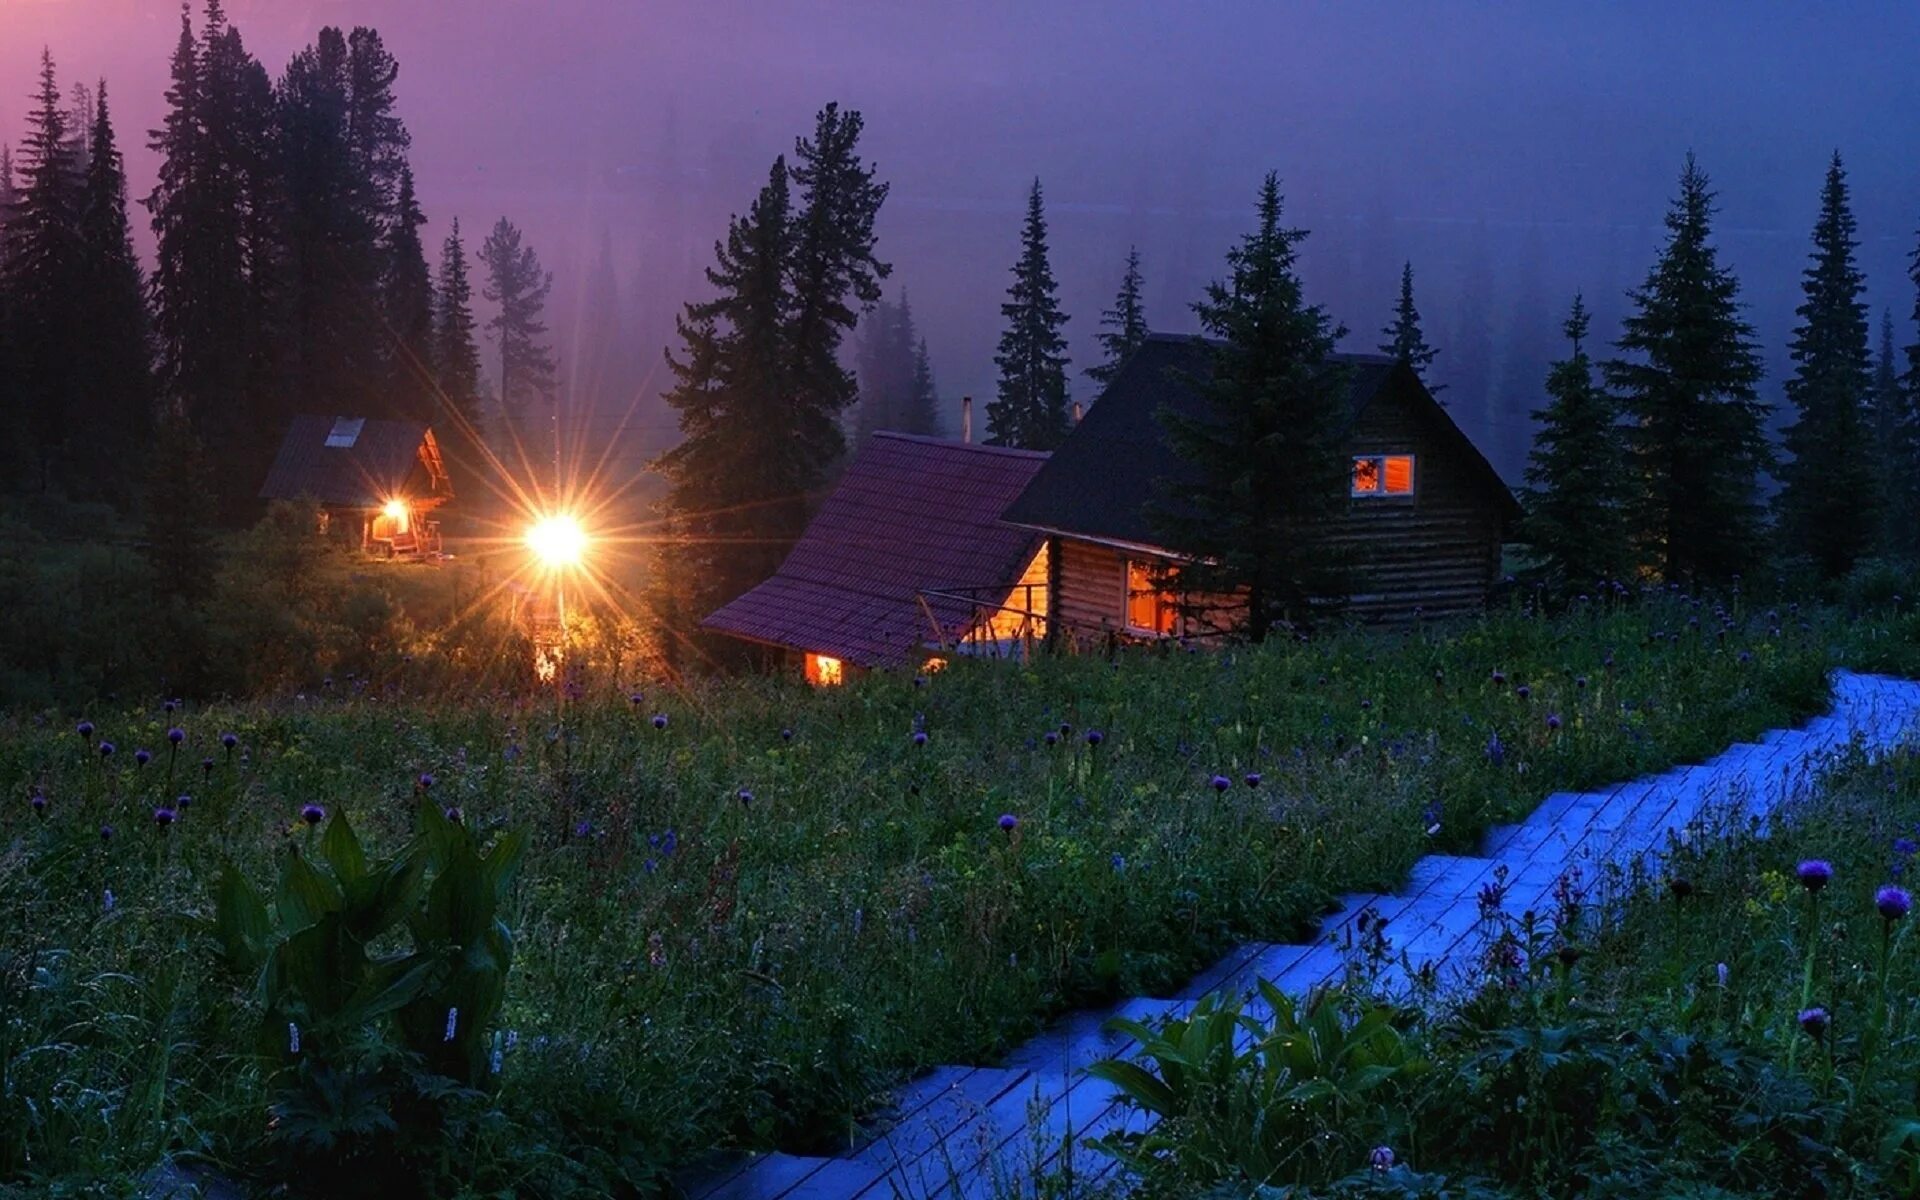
(825, 671)
(1383, 475)
(1150, 608)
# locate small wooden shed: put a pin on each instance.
(386, 477)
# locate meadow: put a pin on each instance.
(738, 911)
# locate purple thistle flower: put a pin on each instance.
(1580, 681)
(919, 737)
(206, 764)
(454, 814)
(1052, 738)
(1499, 676)
(1009, 822)
(1523, 691)
(1095, 737)
(106, 749)
(169, 706)
(786, 735)
(39, 804)
(1221, 783)
(176, 735)
(1893, 902)
(141, 758)
(1814, 1021)
(106, 833)
(1553, 720)
(1814, 873)
(583, 829)
(164, 816)
(1366, 704)
(183, 801)
(659, 720)
(1382, 1158)
(1906, 846)
(1253, 779)
(745, 797)
(637, 699)
(84, 729)
(229, 740)
(313, 814)
(424, 782)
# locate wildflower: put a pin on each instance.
(1095, 737)
(745, 797)
(1221, 783)
(659, 720)
(454, 814)
(84, 729)
(313, 814)
(1499, 676)
(106, 901)
(1906, 846)
(293, 1038)
(1009, 822)
(229, 740)
(141, 758)
(1052, 738)
(39, 804)
(176, 735)
(786, 735)
(169, 706)
(1720, 974)
(1253, 779)
(1496, 751)
(453, 1022)
(184, 801)
(106, 833)
(637, 699)
(164, 816)
(1814, 873)
(1893, 902)
(1119, 862)
(1366, 704)
(1066, 730)
(424, 782)
(1553, 720)
(1580, 681)
(1814, 1021)
(656, 950)
(1523, 691)
(106, 749)
(919, 737)
(1382, 1158)
(206, 765)
(583, 829)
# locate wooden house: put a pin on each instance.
(384, 477)
(1425, 518)
(907, 559)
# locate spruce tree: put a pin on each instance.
(833, 275)
(1576, 518)
(116, 374)
(1030, 408)
(1267, 462)
(518, 286)
(1897, 436)
(922, 414)
(1829, 501)
(1906, 444)
(407, 295)
(1405, 341)
(456, 363)
(731, 500)
(884, 367)
(1697, 436)
(1124, 325)
(46, 281)
(13, 459)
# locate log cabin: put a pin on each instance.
(384, 478)
(1425, 518)
(907, 560)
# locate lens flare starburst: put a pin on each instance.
(557, 541)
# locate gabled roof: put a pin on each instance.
(1098, 483)
(360, 462)
(910, 514)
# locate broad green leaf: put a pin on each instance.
(342, 850)
(305, 895)
(241, 921)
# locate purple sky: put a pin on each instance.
(1515, 151)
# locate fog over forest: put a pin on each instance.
(1515, 153)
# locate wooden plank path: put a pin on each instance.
(969, 1132)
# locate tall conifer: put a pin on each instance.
(1030, 408)
(1576, 518)
(518, 286)
(456, 361)
(407, 294)
(1829, 501)
(1405, 341)
(117, 372)
(1698, 429)
(1265, 452)
(1124, 326)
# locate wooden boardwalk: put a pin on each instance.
(966, 1132)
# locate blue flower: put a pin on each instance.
(919, 737)
(659, 720)
(1893, 902)
(1814, 873)
(1009, 822)
(1221, 783)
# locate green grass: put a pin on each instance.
(696, 969)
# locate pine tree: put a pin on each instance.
(216, 284)
(408, 299)
(517, 284)
(731, 497)
(922, 414)
(1405, 342)
(833, 274)
(1897, 435)
(456, 362)
(1697, 437)
(45, 280)
(1829, 500)
(116, 374)
(1266, 453)
(885, 364)
(1906, 444)
(1125, 324)
(334, 218)
(1030, 409)
(1576, 518)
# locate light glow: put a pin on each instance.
(396, 509)
(557, 541)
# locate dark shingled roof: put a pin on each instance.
(377, 465)
(1098, 482)
(910, 514)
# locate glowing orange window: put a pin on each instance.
(1383, 475)
(825, 671)
(1150, 609)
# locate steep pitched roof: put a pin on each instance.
(910, 514)
(356, 461)
(1098, 483)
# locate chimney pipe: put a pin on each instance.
(966, 418)
(1079, 410)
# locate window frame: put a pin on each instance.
(1165, 602)
(1380, 492)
